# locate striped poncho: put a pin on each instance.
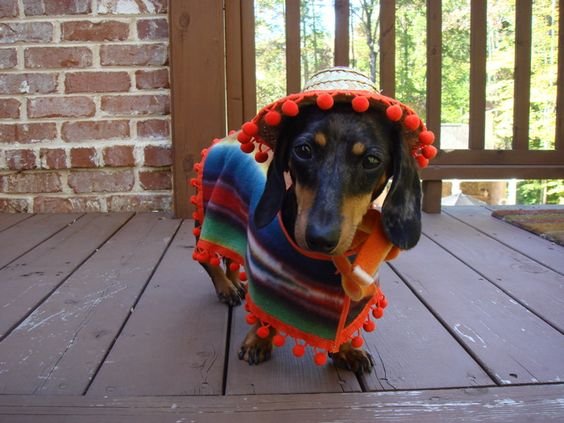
(298, 294)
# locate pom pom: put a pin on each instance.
(426, 137)
(290, 108)
(248, 148)
(233, 266)
(195, 216)
(250, 128)
(357, 341)
(378, 313)
(278, 340)
(320, 359)
(242, 276)
(429, 151)
(263, 332)
(383, 302)
(394, 113)
(369, 326)
(196, 231)
(261, 156)
(412, 122)
(243, 138)
(214, 261)
(325, 101)
(251, 319)
(298, 350)
(272, 118)
(360, 104)
(422, 161)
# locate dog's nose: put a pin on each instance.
(321, 240)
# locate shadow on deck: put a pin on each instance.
(105, 317)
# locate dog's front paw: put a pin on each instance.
(354, 359)
(255, 350)
(230, 294)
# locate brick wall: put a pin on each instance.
(84, 106)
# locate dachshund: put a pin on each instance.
(327, 169)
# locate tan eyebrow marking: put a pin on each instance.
(320, 139)
(358, 148)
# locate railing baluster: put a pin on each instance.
(388, 47)
(522, 75)
(559, 136)
(341, 32)
(478, 34)
(293, 62)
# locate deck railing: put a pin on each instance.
(214, 87)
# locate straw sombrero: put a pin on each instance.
(325, 89)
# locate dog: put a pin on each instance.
(327, 168)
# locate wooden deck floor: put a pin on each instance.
(105, 317)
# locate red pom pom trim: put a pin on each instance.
(427, 137)
(242, 276)
(357, 342)
(320, 359)
(412, 122)
(273, 118)
(278, 340)
(394, 113)
(250, 128)
(422, 161)
(248, 148)
(261, 156)
(214, 261)
(298, 350)
(290, 108)
(233, 266)
(251, 319)
(263, 332)
(360, 104)
(243, 137)
(378, 313)
(369, 326)
(325, 101)
(429, 151)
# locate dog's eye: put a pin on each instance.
(370, 161)
(303, 151)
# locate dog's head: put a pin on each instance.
(339, 161)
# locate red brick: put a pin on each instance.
(140, 202)
(153, 128)
(119, 156)
(152, 29)
(95, 31)
(134, 55)
(8, 58)
(57, 57)
(9, 108)
(28, 32)
(96, 82)
(95, 130)
(53, 158)
(28, 83)
(48, 107)
(147, 80)
(14, 205)
(50, 204)
(132, 6)
(20, 159)
(56, 7)
(30, 182)
(83, 157)
(27, 132)
(157, 156)
(8, 8)
(101, 181)
(158, 180)
(136, 105)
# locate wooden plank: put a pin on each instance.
(27, 281)
(545, 252)
(436, 172)
(522, 74)
(57, 349)
(498, 157)
(519, 404)
(478, 35)
(10, 219)
(388, 47)
(512, 344)
(293, 60)
(527, 281)
(283, 373)
(197, 87)
(174, 342)
(405, 346)
(21, 238)
(342, 32)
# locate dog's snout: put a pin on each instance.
(322, 239)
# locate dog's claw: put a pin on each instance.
(355, 360)
(232, 299)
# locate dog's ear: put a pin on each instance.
(273, 195)
(401, 211)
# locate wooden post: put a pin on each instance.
(341, 32)
(197, 87)
(432, 194)
(293, 61)
(522, 83)
(478, 34)
(388, 47)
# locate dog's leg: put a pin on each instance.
(354, 359)
(255, 350)
(226, 290)
(233, 276)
